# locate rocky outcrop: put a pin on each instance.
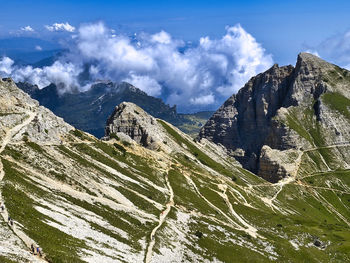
(275, 164)
(16, 106)
(278, 108)
(133, 121)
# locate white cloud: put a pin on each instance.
(6, 66)
(161, 37)
(60, 27)
(38, 48)
(27, 29)
(145, 83)
(64, 75)
(198, 77)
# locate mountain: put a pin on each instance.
(285, 115)
(150, 193)
(89, 110)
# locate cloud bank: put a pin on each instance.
(194, 78)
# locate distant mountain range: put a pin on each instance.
(89, 110)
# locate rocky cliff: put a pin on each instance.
(284, 108)
(129, 119)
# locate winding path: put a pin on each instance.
(248, 228)
(9, 135)
(162, 218)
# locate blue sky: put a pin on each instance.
(283, 27)
(232, 41)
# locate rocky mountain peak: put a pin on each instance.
(128, 118)
(278, 108)
(312, 61)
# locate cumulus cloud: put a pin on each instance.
(38, 48)
(27, 29)
(64, 75)
(60, 27)
(194, 77)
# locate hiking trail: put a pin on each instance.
(162, 218)
(5, 215)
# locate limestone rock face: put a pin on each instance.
(16, 106)
(133, 121)
(283, 108)
(275, 164)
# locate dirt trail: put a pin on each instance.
(343, 144)
(162, 218)
(233, 224)
(281, 184)
(249, 229)
(9, 135)
(321, 187)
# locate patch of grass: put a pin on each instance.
(337, 102)
(314, 156)
(81, 135)
(127, 144)
(337, 76)
(114, 136)
(212, 196)
(211, 242)
(110, 150)
(294, 123)
(58, 176)
(201, 156)
(120, 148)
(13, 153)
(36, 147)
(79, 159)
(139, 201)
(139, 163)
(5, 114)
(4, 259)
(185, 195)
(78, 133)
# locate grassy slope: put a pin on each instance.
(311, 218)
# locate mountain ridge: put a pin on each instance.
(259, 114)
(89, 110)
